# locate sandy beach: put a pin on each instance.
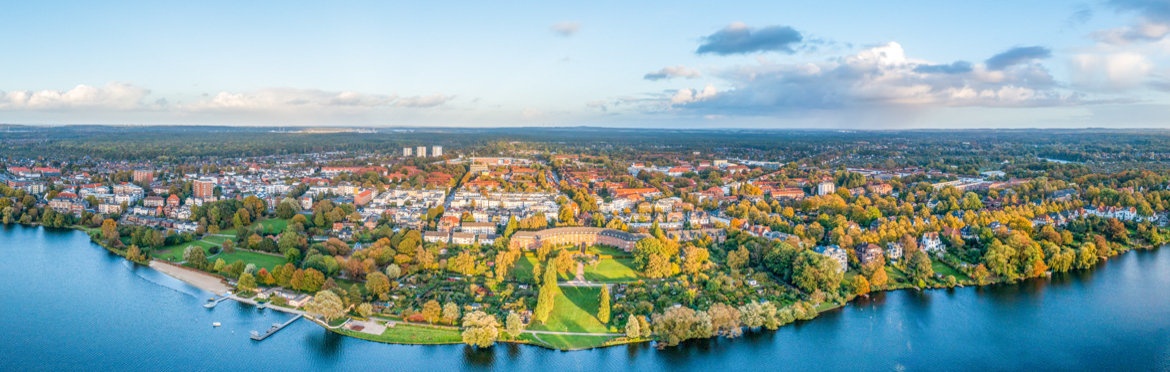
(196, 278)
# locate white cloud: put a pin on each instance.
(292, 100)
(671, 72)
(113, 96)
(685, 96)
(1110, 71)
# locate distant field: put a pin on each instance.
(612, 271)
(411, 334)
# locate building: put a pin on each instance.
(575, 236)
(109, 208)
(204, 188)
(931, 243)
(363, 198)
(894, 250)
(868, 253)
(406, 151)
(478, 227)
(826, 188)
(462, 238)
(143, 176)
(153, 201)
(436, 236)
(421, 151)
(436, 151)
(836, 253)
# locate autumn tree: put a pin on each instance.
(377, 285)
(480, 329)
(450, 312)
(725, 320)
(431, 311)
(548, 293)
(327, 305)
(513, 325)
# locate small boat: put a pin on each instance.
(216, 324)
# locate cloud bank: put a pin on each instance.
(738, 38)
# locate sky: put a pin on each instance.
(726, 64)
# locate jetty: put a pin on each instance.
(275, 327)
(213, 302)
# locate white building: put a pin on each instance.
(436, 151)
(826, 188)
(836, 253)
(931, 243)
(421, 151)
(406, 151)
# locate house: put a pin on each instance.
(932, 244)
(868, 253)
(478, 227)
(836, 253)
(153, 201)
(436, 236)
(893, 251)
(463, 238)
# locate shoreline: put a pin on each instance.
(198, 279)
(215, 284)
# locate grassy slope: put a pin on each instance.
(574, 310)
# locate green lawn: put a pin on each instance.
(607, 250)
(410, 334)
(174, 253)
(944, 269)
(574, 310)
(522, 270)
(273, 226)
(259, 259)
(567, 342)
(612, 271)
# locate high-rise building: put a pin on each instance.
(406, 151)
(436, 151)
(421, 151)
(204, 187)
(143, 176)
(826, 188)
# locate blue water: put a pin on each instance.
(70, 305)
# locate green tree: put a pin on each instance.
(813, 272)
(548, 293)
(247, 283)
(603, 305)
(919, 268)
(632, 328)
(377, 285)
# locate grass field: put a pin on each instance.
(612, 271)
(259, 259)
(567, 342)
(574, 310)
(174, 253)
(522, 270)
(944, 269)
(273, 226)
(410, 334)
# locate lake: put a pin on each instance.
(70, 305)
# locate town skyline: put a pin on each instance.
(849, 65)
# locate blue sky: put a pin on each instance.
(761, 64)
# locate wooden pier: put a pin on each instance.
(275, 327)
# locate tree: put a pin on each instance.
(134, 253)
(327, 305)
(247, 283)
(480, 329)
(814, 272)
(695, 260)
(365, 309)
(919, 268)
(513, 325)
(980, 274)
(725, 320)
(195, 257)
(632, 327)
(1087, 256)
(860, 285)
(110, 231)
(999, 259)
(603, 305)
(548, 293)
(738, 258)
(393, 271)
(228, 246)
(431, 311)
(678, 324)
(879, 278)
(450, 312)
(378, 285)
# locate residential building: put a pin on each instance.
(436, 151)
(575, 236)
(421, 151)
(143, 176)
(868, 253)
(204, 187)
(894, 251)
(826, 188)
(931, 243)
(836, 253)
(406, 151)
